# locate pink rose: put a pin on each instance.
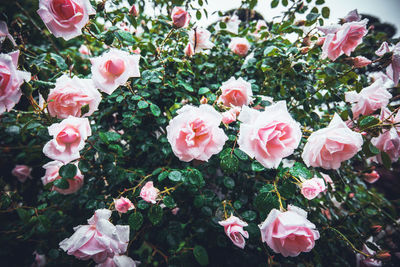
(388, 142)
(65, 18)
(52, 174)
(352, 16)
(189, 51)
(180, 17)
(233, 227)
(330, 146)
(122, 205)
(69, 138)
(320, 41)
(70, 95)
(236, 92)
(200, 39)
(289, 232)
(393, 70)
(230, 115)
(84, 50)
(149, 193)
(40, 260)
(312, 187)
(195, 133)
(344, 40)
(113, 69)
(239, 46)
(5, 34)
(118, 261)
(175, 211)
(369, 99)
(137, 51)
(10, 80)
(360, 62)
(22, 172)
(98, 240)
(134, 11)
(371, 177)
(270, 135)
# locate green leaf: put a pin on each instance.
(203, 90)
(162, 176)
(108, 137)
(125, 36)
(300, 170)
(240, 154)
(200, 254)
(169, 202)
(325, 12)
(368, 121)
(23, 214)
(269, 51)
(257, 167)
(84, 166)
(142, 104)
(68, 171)
(274, 3)
(229, 163)
(198, 14)
(387, 162)
(373, 149)
(109, 38)
(330, 71)
(53, 253)
(175, 176)
(285, 2)
(61, 183)
(320, 2)
(155, 110)
(249, 215)
(84, 109)
(229, 182)
(59, 61)
(135, 220)
(196, 177)
(155, 214)
(186, 86)
(312, 16)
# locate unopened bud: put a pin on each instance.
(203, 100)
(134, 11)
(383, 255)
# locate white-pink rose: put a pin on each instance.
(233, 227)
(369, 99)
(236, 92)
(65, 18)
(98, 240)
(122, 205)
(10, 81)
(230, 115)
(393, 70)
(118, 261)
(180, 17)
(352, 16)
(113, 69)
(149, 193)
(270, 135)
(5, 34)
(239, 46)
(84, 50)
(371, 177)
(330, 146)
(312, 187)
(52, 173)
(200, 39)
(189, 51)
(195, 133)
(22, 172)
(289, 233)
(68, 139)
(70, 95)
(388, 142)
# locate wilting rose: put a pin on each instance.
(195, 133)
(180, 17)
(330, 146)
(312, 187)
(200, 39)
(360, 62)
(118, 261)
(369, 99)
(98, 240)
(371, 177)
(70, 95)
(123, 204)
(5, 34)
(52, 173)
(393, 69)
(230, 115)
(22, 172)
(65, 18)
(233, 227)
(289, 232)
(270, 135)
(235, 92)
(113, 69)
(68, 139)
(239, 46)
(189, 51)
(10, 81)
(388, 142)
(344, 39)
(84, 50)
(149, 193)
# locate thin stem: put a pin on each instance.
(348, 242)
(279, 197)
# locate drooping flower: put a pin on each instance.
(393, 69)
(311, 188)
(180, 17)
(22, 172)
(233, 227)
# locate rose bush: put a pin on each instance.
(249, 142)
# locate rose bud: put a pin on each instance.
(180, 17)
(371, 177)
(133, 11)
(359, 62)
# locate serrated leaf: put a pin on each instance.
(196, 177)
(300, 170)
(325, 12)
(125, 36)
(229, 182)
(229, 163)
(249, 215)
(274, 3)
(108, 137)
(240, 154)
(169, 202)
(257, 167)
(368, 121)
(162, 176)
(135, 220)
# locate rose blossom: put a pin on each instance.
(200, 39)
(98, 240)
(270, 135)
(371, 177)
(352, 16)
(189, 51)
(122, 205)
(65, 18)
(233, 227)
(134, 11)
(393, 69)
(84, 50)
(236, 92)
(118, 261)
(388, 142)
(69, 138)
(10, 81)
(360, 62)
(369, 99)
(70, 95)
(149, 193)
(195, 133)
(180, 17)
(239, 46)
(52, 173)
(113, 69)
(175, 211)
(330, 146)
(22, 172)
(230, 115)
(343, 39)
(289, 232)
(4, 33)
(312, 187)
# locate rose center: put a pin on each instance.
(197, 133)
(115, 66)
(68, 135)
(4, 79)
(66, 9)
